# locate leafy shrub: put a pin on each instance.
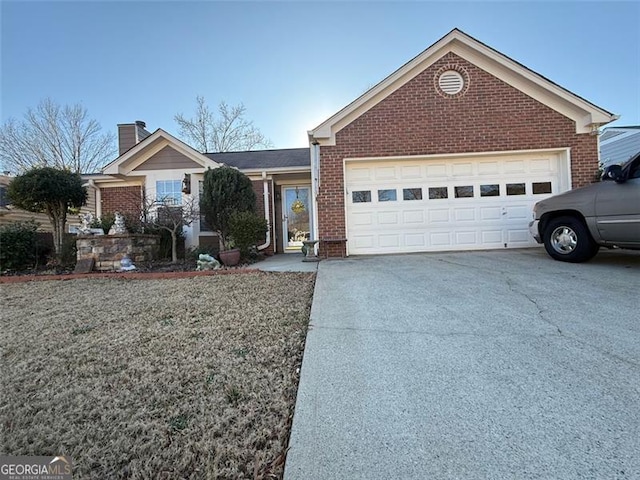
(246, 229)
(18, 245)
(105, 222)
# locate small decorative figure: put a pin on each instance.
(126, 265)
(207, 262)
(85, 220)
(118, 227)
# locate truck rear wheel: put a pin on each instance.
(567, 239)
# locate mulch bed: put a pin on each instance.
(151, 271)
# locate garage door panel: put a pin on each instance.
(389, 240)
(514, 166)
(438, 215)
(413, 216)
(362, 241)
(385, 173)
(490, 213)
(540, 165)
(462, 169)
(362, 218)
(415, 240)
(437, 170)
(488, 168)
(519, 236)
(464, 214)
(517, 212)
(388, 218)
(423, 213)
(491, 237)
(408, 172)
(466, 238)
(360, 174)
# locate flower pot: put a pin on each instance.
(230, 257)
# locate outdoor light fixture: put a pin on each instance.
(186, 184)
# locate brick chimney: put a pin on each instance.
(130, 134)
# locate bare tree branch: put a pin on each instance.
(227, 131)
(55, 136)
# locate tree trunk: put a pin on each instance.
(174, 247)
(58, 221)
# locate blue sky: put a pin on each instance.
(292, 64)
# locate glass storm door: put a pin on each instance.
(296, 222)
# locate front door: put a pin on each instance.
(296, 222)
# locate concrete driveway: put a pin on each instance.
(500, 364)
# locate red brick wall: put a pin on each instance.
(126, 200)
(417, 120)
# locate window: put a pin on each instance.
(515, 189)
(436, 193)
(541, 187)
(169, 192)
(465, 191)
(412, 194)
(387, 196)
(489, 190)
(361, 196)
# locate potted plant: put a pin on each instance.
(226, 191)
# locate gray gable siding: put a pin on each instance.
(168, 159)
(620, 148)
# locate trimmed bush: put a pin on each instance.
(246, 230)
(18, 246)
(225, 191)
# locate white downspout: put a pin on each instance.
(265, 193)
(98, 196)
(315, 187)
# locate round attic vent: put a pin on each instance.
(451, 82)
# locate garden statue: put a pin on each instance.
(85, 223)
(207, 262)
(126, 265)
(118, 227)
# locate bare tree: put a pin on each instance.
(51, 135)
(226, 131)
(172, 218)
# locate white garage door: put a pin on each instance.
(440, 204)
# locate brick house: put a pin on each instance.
(449, 152)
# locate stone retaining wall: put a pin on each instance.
(108, 250)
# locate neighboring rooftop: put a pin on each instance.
(264, 159)
(619, 144)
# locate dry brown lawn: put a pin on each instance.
(181, 378)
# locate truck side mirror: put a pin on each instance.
(613, 172)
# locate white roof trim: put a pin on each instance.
(141, 152)
(587, 116)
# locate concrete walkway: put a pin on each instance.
(286, 262)
(501, 364)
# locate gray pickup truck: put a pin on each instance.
(575, 224)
